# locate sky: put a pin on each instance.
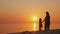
(16, 15)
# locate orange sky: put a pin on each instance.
(14, 13)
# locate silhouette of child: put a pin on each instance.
(40, 24)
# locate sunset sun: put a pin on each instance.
(34, 18)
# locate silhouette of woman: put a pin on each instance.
(47, 21)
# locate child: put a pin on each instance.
(40, 24)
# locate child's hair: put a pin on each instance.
(40, 19)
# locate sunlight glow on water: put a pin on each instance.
(34, 26)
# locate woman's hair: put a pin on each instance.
(47, 13)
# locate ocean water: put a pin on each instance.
(10, 28)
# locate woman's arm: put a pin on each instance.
(44, 19)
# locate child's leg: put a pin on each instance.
(39, 28)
